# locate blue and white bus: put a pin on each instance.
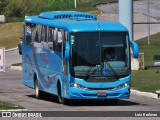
(64, 53)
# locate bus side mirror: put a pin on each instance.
(134, 47)
(67, 51)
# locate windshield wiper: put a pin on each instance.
(95, 70)
(113, 71)
(88, 71)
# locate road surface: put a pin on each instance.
(12, 57)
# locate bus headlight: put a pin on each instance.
(122, 85)
(78, 86)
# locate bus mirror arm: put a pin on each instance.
(67, 51)
(134, 47)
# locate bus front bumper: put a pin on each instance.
(76, 93)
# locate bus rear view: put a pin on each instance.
(94, 61)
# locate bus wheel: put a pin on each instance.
(38, 93)
(113, 101)
(60, 98)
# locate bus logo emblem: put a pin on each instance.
(104, 72)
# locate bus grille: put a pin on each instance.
(100, 88)
(101, 79)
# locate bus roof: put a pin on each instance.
(74, 21)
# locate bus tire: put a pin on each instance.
(38, 93)
(20, 53)
(61, 99)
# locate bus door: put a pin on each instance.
(27, 59)
(55, 47)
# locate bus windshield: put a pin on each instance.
(100, 54)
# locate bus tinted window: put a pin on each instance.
(46, 34)
(42, 33)
(51, 38)
(36, 33)
(55, 39)
(28, 39)
(59, 41)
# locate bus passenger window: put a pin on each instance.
(29, 28)
(42, 34)
(55, 39)
(37, 33)
(51, 38)
(44, 37)
(36, 37)
(59, 42)
(46, 34)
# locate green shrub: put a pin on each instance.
(14, 10)
(14, 19)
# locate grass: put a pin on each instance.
(9, 106)
(95, 12)
(17, 64)
(10, 34)
(151, 50)
(14, 19)
(148, 80)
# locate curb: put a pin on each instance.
(14, 110)
(15, 68)
(146, 94)
(11, 49)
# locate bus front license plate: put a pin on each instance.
(101, 94)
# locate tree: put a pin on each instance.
(20, 8)
(3, 4)
(13, 8)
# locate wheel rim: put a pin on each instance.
(36, 90)
(59, 98)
